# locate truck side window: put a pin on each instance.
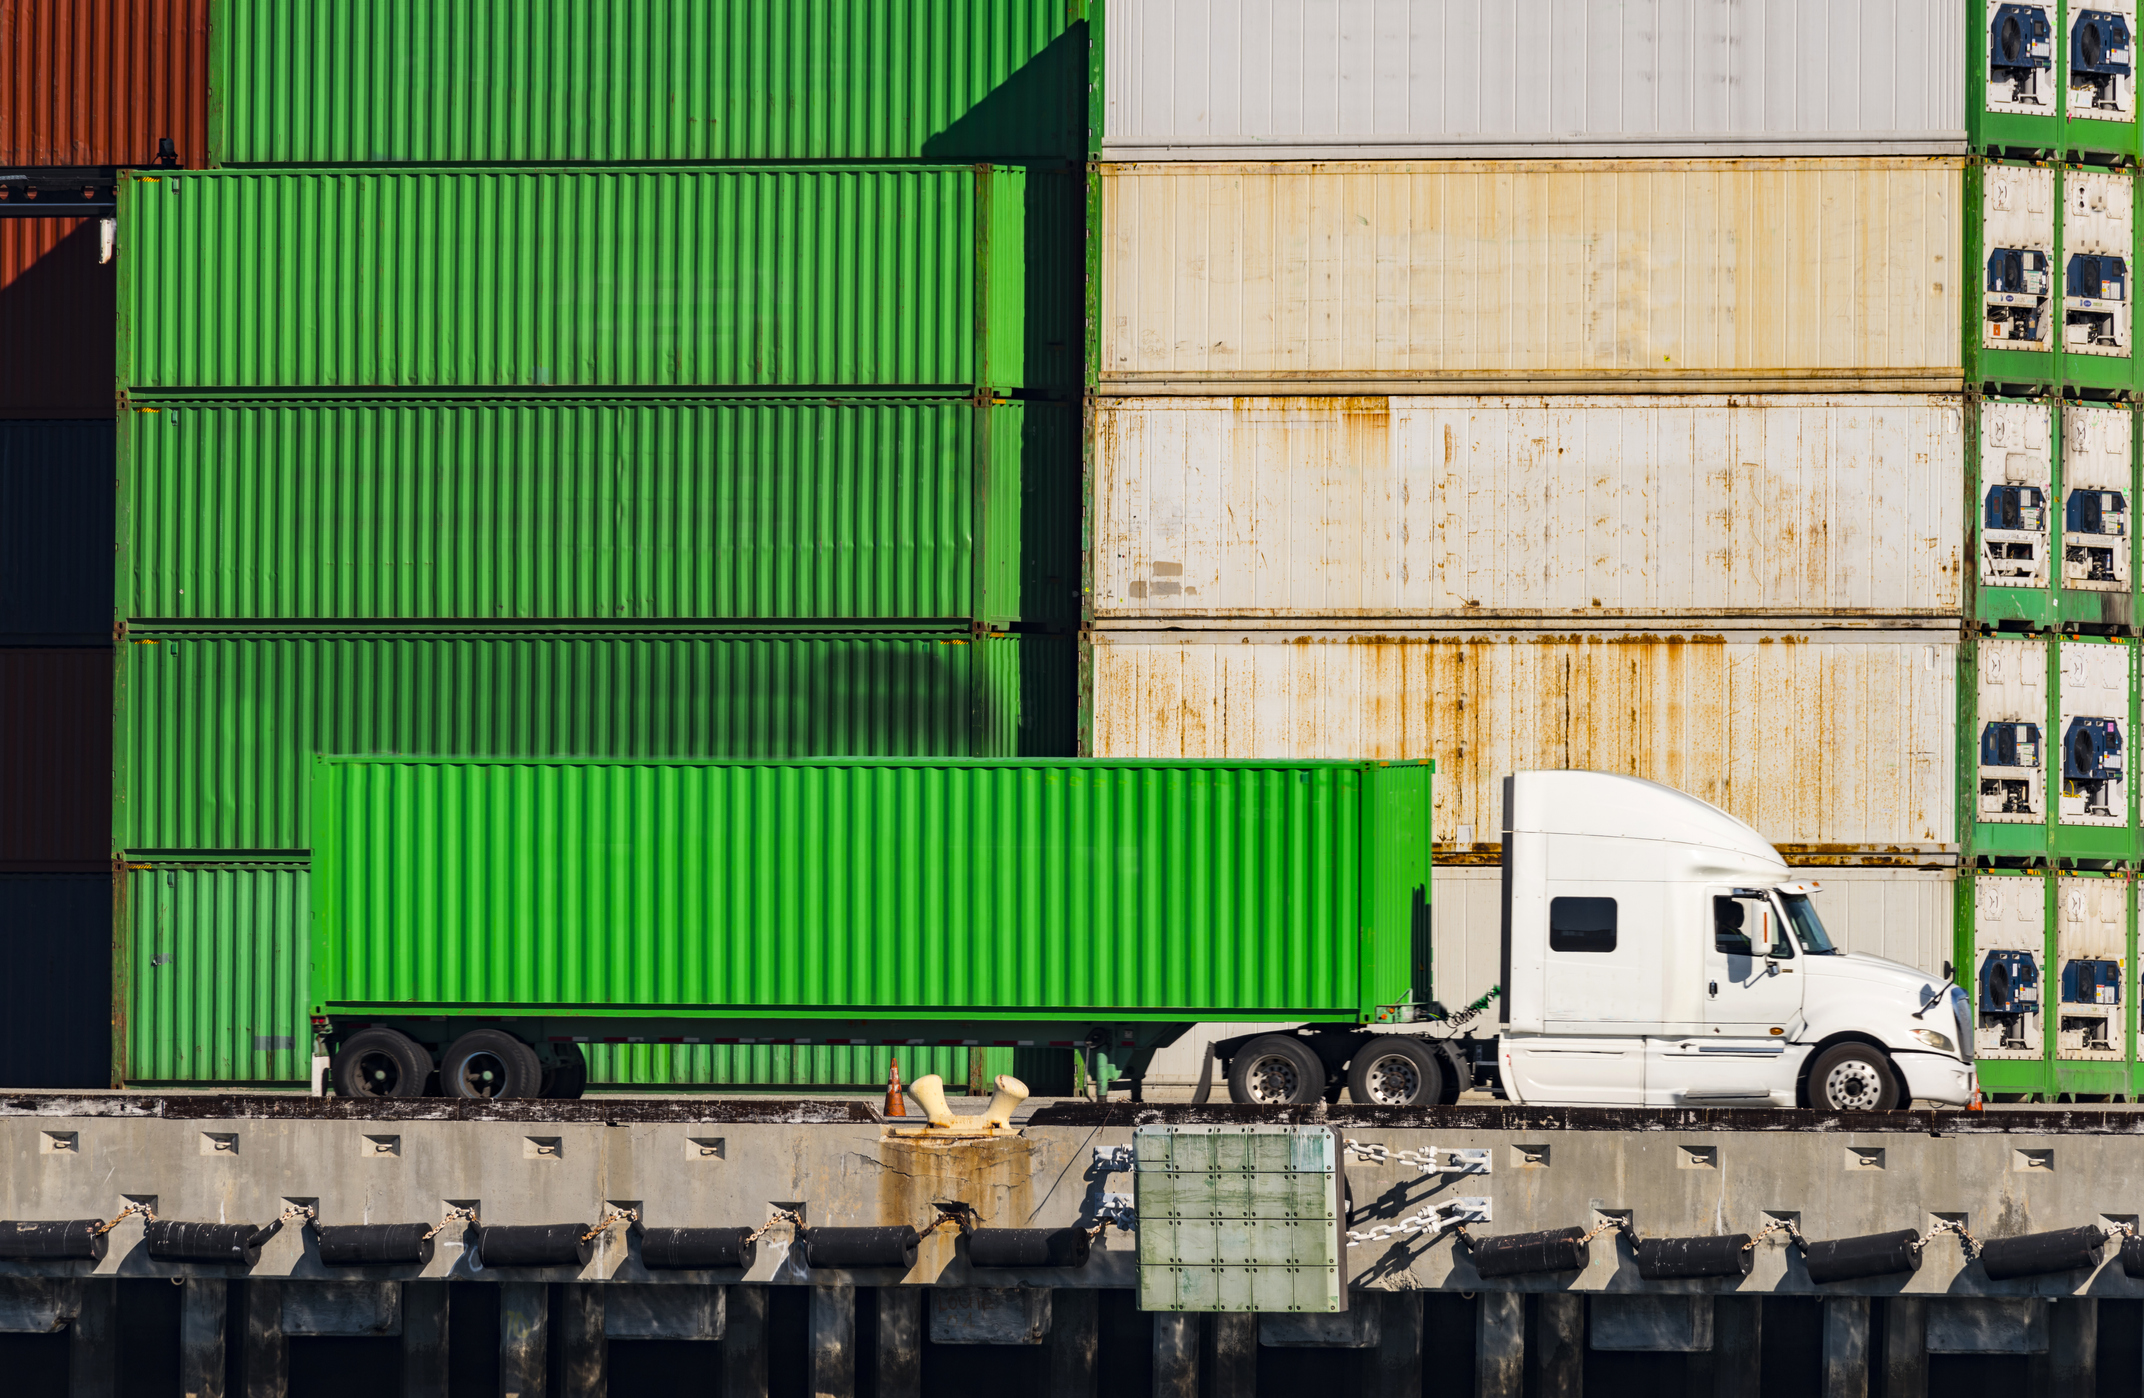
(1581, 924)
(1728, 932)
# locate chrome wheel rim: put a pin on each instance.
(1272, 1080)
(1393, 1080)
(1853, 1086)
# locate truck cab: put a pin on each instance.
(1658, 952)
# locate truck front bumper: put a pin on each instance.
(1935, 1077)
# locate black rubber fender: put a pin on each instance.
(1523, 1254)
(685, 1249)
(1028, 1247)
(374, 1244)
(861, 1247)
(1871, 1255)
(53, 1240)
(536, 1245)
(1665, 1259)
(2037, 1254)
(233, 1244)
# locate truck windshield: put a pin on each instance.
(1808, 927)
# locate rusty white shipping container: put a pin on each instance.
(1829, 743)
(1903, 914)
(1840, 507)
(1550, 276)
(1264, 79)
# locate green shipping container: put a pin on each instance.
(358, 281)
(618, 81)
(215, 731)
(713, 510)
(862, 900)
(214, 970)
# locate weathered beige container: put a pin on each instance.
(1840, 508)
(1829, 743)
(1563, 276)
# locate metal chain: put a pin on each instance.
(465, 1215)
(296, 1211)
(1783, 1225)
(2109, 1231)
(1424, 1160)
(1944, 1225)
(1608, 1223)
(788, 1216)
(144, 1210)
(1427, 1219)
(613, 1216)
(956, 1214)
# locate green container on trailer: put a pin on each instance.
(216, 731)
(709, 510)
(626, 81)
(1042, 901)
(535, 280)
(213, 979)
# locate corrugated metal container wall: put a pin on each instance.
(217, 731)
(56, 309)
(1278, 80)
(56, 942)
(56, 532)
(214, 966)
(616, 81)
(817, 890)
(358, 280)
(1610, 507)
(799, 1065)
(1821, 741)
(1390, 276)
(837, 509)
(55, 759)
(98, 82)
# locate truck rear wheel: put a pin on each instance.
(1275, 1070)
(379, 1062)
(1852, 1078)
(1395, 1071)
(490, 1063)
(569, 1078)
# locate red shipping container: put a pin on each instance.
(56, 319)
(98, 82)
(55, 760)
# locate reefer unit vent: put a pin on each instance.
(2101, 81)
(2021, 58)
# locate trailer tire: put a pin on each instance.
(1275, 1070)
(1852, 1077)
(567, 1079)
(488, 1063)
(379, 1062)
(1394, 1070)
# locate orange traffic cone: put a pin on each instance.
(1976, 1104)
(894, 1105)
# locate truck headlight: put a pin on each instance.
(1940, 1042)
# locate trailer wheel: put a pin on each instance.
(1393, 1070)
(568, 1078)
(1852, 1077)
(1275, 1070)
(490, 1063)
(379, 1062)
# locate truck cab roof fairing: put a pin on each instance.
(1629, 808)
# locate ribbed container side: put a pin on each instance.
(787, 1065)
(55, 759)
(620, 81)
(1566, 275)
(1840, 506)
(56, 942)
(99, 82)
(1271, 79)
(215, 732)
(214, 962)
(56, 531)
(751, 278)
(995, 890)
(717, 510)
(1826, 743)
(56, 311)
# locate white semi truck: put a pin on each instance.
(1656, 952)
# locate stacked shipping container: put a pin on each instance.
(487, 403)
(1554, 386)
(2048, 687)
(85, 85)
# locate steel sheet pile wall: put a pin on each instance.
(1551, 386)
(85, 85)
(2048, 681)
(487, 404)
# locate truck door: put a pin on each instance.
(1753, 979)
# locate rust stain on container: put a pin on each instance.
(99, 82)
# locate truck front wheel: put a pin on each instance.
(1852, 1078)
(380, 1062)
(1275, 1070)
(1395, 1071)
